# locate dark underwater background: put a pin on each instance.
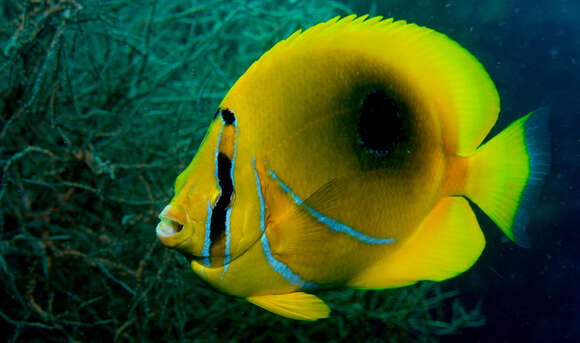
(102, 103)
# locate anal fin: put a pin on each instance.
(447, 243)
(295, 305)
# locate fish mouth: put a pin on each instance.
(168, 227)
(172, 230)
(174, 233)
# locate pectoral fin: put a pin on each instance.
(296, 305)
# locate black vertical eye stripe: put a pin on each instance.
(224, 175)
(219, 211)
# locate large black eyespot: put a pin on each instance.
(381, 123)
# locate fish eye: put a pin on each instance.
(228, 116)
(381, 123)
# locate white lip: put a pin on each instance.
(167, 227)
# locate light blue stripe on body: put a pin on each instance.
(234, 158)
(278, 266)
(286, 189)
(207, 240)
(227, 258)
(331, 223)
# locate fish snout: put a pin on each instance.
(172, 229)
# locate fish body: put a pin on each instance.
(344, 157)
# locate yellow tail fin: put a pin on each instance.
(506, 173)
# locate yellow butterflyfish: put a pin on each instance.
(344, 157)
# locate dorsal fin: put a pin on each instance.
(429, 63)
